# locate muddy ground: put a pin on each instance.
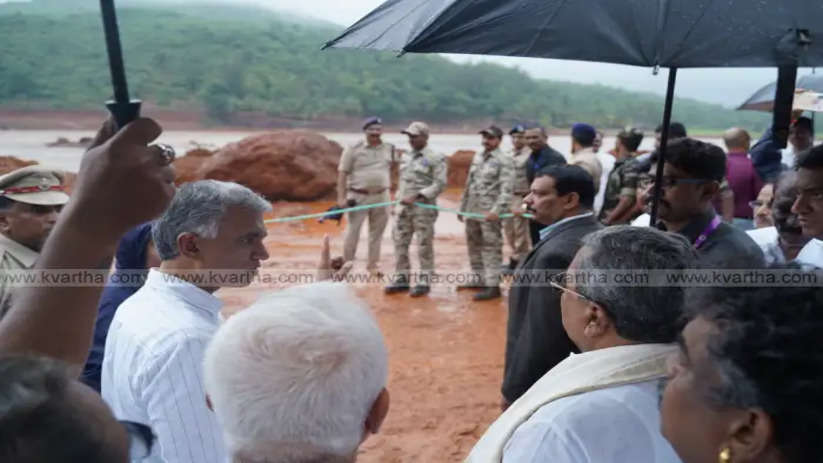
(445, 350)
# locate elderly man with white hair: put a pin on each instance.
(210, 236)
(299, 377)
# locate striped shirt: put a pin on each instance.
(152, 369)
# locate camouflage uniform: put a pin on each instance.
(623, 181)
(488, 189)
(368, 182)
(422, 174)
(516, 229)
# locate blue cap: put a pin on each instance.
(519, 128)
(584, 134)
(371, 121)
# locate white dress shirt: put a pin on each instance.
(613, 425)
(769, 242)
(811, 254)
(544, 232)
(152, 369)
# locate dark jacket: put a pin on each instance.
(535, 338)
(725, 248)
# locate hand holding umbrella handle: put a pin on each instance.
(122, 108)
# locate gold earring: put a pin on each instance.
(725, 456)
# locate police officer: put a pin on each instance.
(30, 199)
(516, 229)
(488, 191)
(422, 179)
(363, 179)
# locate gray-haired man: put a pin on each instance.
(210, 236)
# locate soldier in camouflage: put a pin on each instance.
(516, 229)
(422, 179)
(488, 191)
(620, 200)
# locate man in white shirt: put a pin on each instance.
(801, 138)
(809, 204)
(601, 406)
(210, 236)
(299, 377)
(781, 242)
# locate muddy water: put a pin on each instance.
(31, 144)
(446, 351)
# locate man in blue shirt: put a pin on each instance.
(542, 156)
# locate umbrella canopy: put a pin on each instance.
(669, 33)
(763, 99)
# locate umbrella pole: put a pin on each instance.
(664, 140)
(122, 108)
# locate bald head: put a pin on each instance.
(737, 139)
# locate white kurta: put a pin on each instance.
(618, 424)
(152, 369)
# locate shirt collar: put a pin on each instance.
(694, 228)
(22, 253)
(544, 232)
(737, 153)
(184, 291)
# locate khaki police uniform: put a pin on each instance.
(488, 189)
(33, 185)
(422, 174)
(516, 229)
(368, 182)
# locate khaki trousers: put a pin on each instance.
(378, 219)
(516, 230)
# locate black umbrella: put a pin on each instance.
(668, 33)
(122, 108)
(763, 99)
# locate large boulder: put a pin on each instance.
(186, 167)
(459, 163)
(291, 165)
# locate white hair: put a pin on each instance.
(197, 208)
(294, 376)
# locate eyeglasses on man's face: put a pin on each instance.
(559, 282)
(647, 180)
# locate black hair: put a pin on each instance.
(6, 203)
(648, 313)
(697, 158)
(765, 350)
(630, 138)
(676, 130)
(804, 122)
(38, 420)
(571, 179)
(812, 158)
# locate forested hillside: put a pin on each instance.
(223, 59)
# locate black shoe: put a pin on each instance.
(419, 290)
(470, 286)
(491, 292)
(400, 285)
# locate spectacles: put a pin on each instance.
(562, 287)
(141, 439)
(647, 180)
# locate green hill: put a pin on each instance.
(225, 59)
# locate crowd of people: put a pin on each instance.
(593, 372)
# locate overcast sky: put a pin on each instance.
(726, 86)
(729, 87)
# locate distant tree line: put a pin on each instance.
(222, 60)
